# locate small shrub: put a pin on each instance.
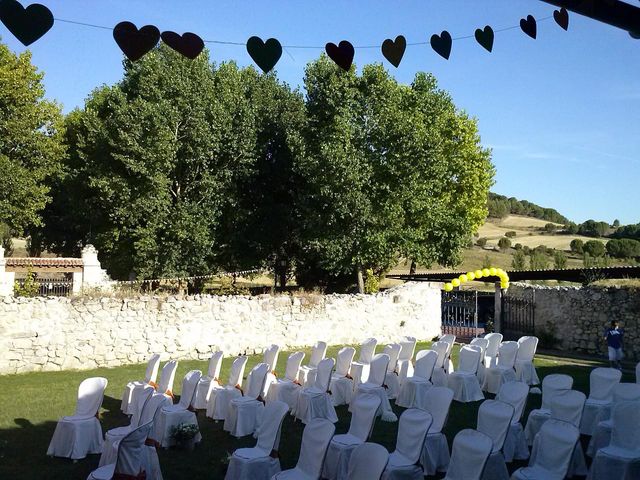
(510, 234)
(481, 242)
(559, 259)
(518, 246)
(371, 282)
(519, 261)
(487, 263)
(28, 288)
(504, 243)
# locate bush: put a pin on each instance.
(504, 243)
(510, 234)
(486, 263)
(518, 246)
(481, 242)
(29, 288)
(559, 259)
(595, 248)
(577, 246)
(519, 260)
(538, 260)
(527, 250)
(550, 227)
(623, 248)
(371, 282)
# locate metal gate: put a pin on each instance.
(54, 286)
(518, 315)
(460, 314)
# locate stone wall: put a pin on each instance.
(82, 332)
(577, 316)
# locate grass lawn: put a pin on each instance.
(30, 405)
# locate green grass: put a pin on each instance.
(30, 405)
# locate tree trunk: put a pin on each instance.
(412, 268)
(360, 280)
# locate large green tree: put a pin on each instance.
(31, 144)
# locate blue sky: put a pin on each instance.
(561, 112)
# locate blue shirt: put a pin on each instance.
(614, 337)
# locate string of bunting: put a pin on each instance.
(33, 22)
(241, 273)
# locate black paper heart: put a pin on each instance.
(188, 44)
(562, 18)
(485, 37)
(528, 26)
(442, 44)
(135, 43)
(265, 54)
(26, 24)
(393, 50)
(342, 54)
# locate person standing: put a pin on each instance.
(614, 337)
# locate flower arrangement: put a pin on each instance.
(184, 432)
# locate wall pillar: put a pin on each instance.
(497, 309)
(6, 278)
(93, 276)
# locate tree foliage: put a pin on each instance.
(594, 248)
(501, 206)
(623, 248)
(591, 228)
(519, 260)
(559, 259)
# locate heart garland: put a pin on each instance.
(265, 54)
(188, 44)
(393, 50)
(342, 54)
(562, 18)
(26, 24)
(485, 37)
(135, 43)
(442, 44)
(528, 26)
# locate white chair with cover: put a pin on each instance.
(450, 340)
(130, 459)
(525, 370)
(367, 462)
(133, 388)
(622, 392)
(270, 357)
(208, 382)
(469, 454)
(417, 384)
(288, 388)
(260, 462)
(336, 463)
(620, 460)
(315, 441)
(439, 376)
(80, 434)
(167, 377)
(435, 454)
(494, 420)
(551, 385)
(375, 386)
(403, 462)
(491, 353)
(307, 373)
(463, 381)
(245, 412)
(220, 397)
(601, 383)
(405, 364)
(483, 343)
(515, 445)
(179, 412)
(504, 371)
(315, 401)
(360, 368)
(391, 378)
(114, 435)
(341, 385)
(557, 439)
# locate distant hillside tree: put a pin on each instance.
(504, 243)
(623, 248)
(577, 246)
(594, 248)
(501, 206)
(519, 260)
(510, 234)
(628, 231)
(616, 223)
(538, 261)
(559, 259)
(591, 228)
(481, 242)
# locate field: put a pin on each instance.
(30, 405)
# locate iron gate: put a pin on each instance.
(518, 315)
(460, 314)
(54, 286)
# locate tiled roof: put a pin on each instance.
(44, 262)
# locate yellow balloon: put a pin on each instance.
(471, 276)
(499, 271)
(448, 287)
(493, 271)
(455, 282)
(504, 285)
(485, 272)
(478, 273)
(463, 278)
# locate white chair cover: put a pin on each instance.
(412, 431)
(620, 460)
(341, 386)
(450, 340)
(130, 459)
(375, 386)
(288, 388)
(367, 462)
(307, 374)
(439, 376)
(315, 402)
(360, 368)
(504, 371)
(244, 413)
(167, 377)
(336, 464)
(80, 434)
(435, 454)
(426, 361)
(220, 397)
(391, 379)
(270, 357)
(483, 343)
(601, 383)
(405, 365)
(208, 382)
(128, 396)
(178, 413)
(622, 392)
(491, 354)
(463, 381)
(551, 385)
(515, 445)
(151, 413)
(557, 439)
(494, 420)
(260, 462)
(315, 441)
(469, 454)
(525, 371)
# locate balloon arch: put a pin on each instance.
(477, 275)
